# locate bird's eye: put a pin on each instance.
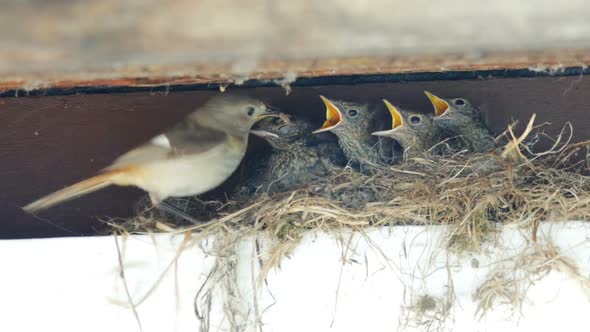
(414, 119)
(250, 110)
(353, 112)
(459, 102)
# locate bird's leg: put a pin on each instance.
(167, 207)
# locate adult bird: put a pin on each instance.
(193, 157)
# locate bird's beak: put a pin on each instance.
(333, 116)
(285, 118)
(440, 105)
(264, 134)
(386, 133)
(396, 120)
(396, 116)
(269, 112)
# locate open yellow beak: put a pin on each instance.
(440, 105)
(333, 116)
(396, 120)
(396, 116)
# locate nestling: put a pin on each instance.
(458, 117)
(291, 163)
(415, 132)
(352, 123)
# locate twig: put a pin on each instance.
(122, 275)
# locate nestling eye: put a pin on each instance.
(251, 110)
(352, 112)
(414, 119)
(459, 102)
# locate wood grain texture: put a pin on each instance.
(277, 72)
(47, 143)
(67, 43)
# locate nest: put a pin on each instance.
(470, 192)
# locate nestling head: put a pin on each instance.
(409, 129)
(454, 113)
(342, 116)
(281, 134)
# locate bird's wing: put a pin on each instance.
(144, 154)
(185, 138)
(189, 137)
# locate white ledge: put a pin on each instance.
(371, 283)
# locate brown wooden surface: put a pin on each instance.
(49, 142)
(154, 75)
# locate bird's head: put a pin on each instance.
(454, 113)
(280, 133)
(345, 117)
(235, 114)
(410, 129)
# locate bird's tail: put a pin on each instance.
(76, 190)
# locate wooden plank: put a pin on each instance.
(286, 71)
